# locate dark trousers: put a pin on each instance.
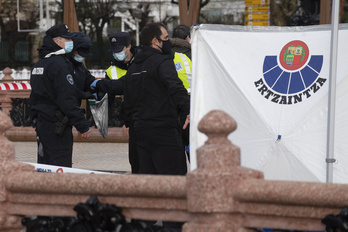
(160, 151)
(54, 149)
(132, 149)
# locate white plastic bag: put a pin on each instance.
(99, 110)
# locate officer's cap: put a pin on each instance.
(118, 41)
(82, 44)
(59, 30)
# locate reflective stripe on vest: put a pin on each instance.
(183, 68)
(114, 72)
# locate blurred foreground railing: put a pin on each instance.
(220, 195)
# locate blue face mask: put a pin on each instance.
(120, 56)
(68, 46)
(79, 58)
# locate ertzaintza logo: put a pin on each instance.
(292, 76)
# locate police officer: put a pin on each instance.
(123, 53)
(83, 77)
(181, 45)
(181, 40)
(183, 68)
(54, 99)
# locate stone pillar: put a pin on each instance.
(8, 165)
(7, 78)
(210, 187)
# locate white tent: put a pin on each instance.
(274, 82)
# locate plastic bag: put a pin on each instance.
(99, 110)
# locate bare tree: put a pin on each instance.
(189, 10)
(93, 15)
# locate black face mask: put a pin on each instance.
(166, 47)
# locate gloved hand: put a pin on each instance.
(101, 88)
(88, 95)
(93, 85)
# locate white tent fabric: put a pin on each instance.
(274, 82)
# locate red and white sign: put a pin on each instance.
(15, 86)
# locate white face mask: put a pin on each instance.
(79, 58)
(120, 56)
(68, 46)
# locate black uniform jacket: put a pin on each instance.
(154, 94)
(83, 78)
(115, 87)
(53, 86)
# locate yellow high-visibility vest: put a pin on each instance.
(183, 67)
(115, 73)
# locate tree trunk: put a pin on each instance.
(190, 15)
(70, 17)
(326, 10)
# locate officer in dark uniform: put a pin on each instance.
(83, 77)
(54, 99)
(123, 56)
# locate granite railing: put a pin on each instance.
(220, 195)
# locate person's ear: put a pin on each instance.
(56, 40)
(155, 41)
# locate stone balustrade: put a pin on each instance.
(220, 195)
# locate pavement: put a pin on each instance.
(108, 157)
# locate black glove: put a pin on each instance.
(88, 95)
(100, 95)
(101, 86)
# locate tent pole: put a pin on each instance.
(332, 92)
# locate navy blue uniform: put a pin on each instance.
(83, 78)
(54, 90)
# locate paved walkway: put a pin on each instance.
(110, 157)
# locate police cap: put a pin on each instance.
(82, 44)
(118, 41)
(59, 30)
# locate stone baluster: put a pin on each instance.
(8, 166)
(5, 101)
(210, 187)
(7, 75)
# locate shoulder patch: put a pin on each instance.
(178, 66)
(70, 79)
(37, 71)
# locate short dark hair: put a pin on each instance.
(150, 31)
(181, 32)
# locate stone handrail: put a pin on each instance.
(220, 195)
